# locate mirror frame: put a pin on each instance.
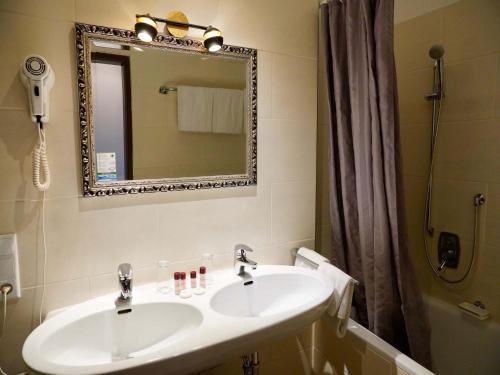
(85, 34)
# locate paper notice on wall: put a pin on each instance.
(106, 166)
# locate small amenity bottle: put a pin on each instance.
(163, 277)
(203, 277)
(207, 261)
(183, 281)
(177, 282)
(193, 279)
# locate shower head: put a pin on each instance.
(436, 52)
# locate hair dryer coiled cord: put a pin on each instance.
(40, 161)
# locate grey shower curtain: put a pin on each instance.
(369, 239)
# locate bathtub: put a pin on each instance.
(369, 342)
(461, 344)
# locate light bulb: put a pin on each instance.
(146, 28)
(212, 39)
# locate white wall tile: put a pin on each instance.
(62, 10)
(415, 149)
(405, 10)
(264, 84)
(415, 192)
(453, 208)
(414, 38)
(291, 145)
(471, 29)
(293, 221)
(18, 326)
(413, 85)
(470, 89)
(18, 137)
(293, 88)
(469, 151)
(281, 254)
(59, 295)
(215, 226)
(23, 218)
(22, 35)
(492, 235)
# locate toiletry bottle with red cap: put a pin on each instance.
(183, 280)
(193, 279)
(177, 283)
(203, 277)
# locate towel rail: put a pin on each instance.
(165, 90)
(295, 250)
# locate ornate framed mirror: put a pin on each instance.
(165, 115)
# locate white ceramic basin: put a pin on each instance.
(167, 335)
(267, 295)
(105, 336)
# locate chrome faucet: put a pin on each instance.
(125, 281)
(241, 261)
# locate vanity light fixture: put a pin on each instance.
(212, 39)
(146, 28)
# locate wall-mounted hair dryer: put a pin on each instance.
(38, 77)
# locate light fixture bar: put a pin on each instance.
(173, 23)
(147, 29)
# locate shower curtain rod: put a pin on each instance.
(325, 1)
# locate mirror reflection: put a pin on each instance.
(161, 113)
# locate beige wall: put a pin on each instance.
(160, 149)
(408, 9)
(468, 159)
(292, 355)
(88, 237)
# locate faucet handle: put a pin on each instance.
(125, 271)
(240, 251)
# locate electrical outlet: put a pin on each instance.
(9, 264)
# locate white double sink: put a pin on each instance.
(164, 334)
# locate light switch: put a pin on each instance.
(9, 264)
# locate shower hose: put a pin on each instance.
(479, 200)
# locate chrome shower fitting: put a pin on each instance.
(436, 52)
(479, 200)
(6, 288)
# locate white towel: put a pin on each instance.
(194, 109)
(228, 111)
(340, 304)
(307, 258)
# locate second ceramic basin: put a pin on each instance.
(267, 295)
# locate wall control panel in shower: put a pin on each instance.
(448, 250)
